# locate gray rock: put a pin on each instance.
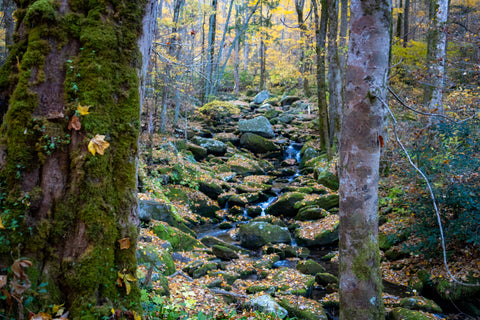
(212, 146)
(224, 253)
(261, 97)
(259, 125)
(266, 304)
(288, 100)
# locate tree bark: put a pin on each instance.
(64, 208)
(436, 55)
(320, 37)
(211, 50)
(406, 28)
(360, 281)
(335, 81)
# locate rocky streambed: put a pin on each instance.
(240, 212)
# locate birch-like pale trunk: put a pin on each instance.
(360, 281)
(436, 55)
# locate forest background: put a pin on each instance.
(234, 49)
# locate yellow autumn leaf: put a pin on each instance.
(98, 144)
(136, 316)
(1, 224)
(83, 110)
(130, 278)
(128, 287)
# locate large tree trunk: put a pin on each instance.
(360, 281)
(63, 208)
(436, 55)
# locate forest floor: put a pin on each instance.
(212, 295)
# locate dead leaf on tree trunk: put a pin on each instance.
(124, 243)
(98, 144)
(74, 123)
(3, 281)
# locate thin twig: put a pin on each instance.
(432, 196)
(429, 114)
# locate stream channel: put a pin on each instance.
(292, 151)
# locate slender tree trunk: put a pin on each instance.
(398, 31)
(236, 64)
(211, 50)
(320, 36)
(263, 60)
(68, 177)
(360, 280)
(406, 17)
(436, 55)
(342, 55)
(335, 81)
(299, 5)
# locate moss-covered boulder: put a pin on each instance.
(285, 204)
(327, 201)
(198, 268)
(310, 267)
(197, 201)
(266, 304)
(244, 165)
(324, 279)
(406, 314)
(224, 253)
(219, 112)
(211, 241)
(287, 251)
(258, 125)
(324, 176)
(318, 233)
(161, 210)
(421, 304)
(179, 240)
(308, 153)
(211, 187)
(228, 137)
(311, 213)
(303, 308)
(255, 234)
(158, 257)
(257, 144)
(292, 281)
(199, 152)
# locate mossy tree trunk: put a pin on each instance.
(360, 281)
(63, 208)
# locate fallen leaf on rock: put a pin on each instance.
(98, 144)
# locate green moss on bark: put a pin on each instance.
(76, 238)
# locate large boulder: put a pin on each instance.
(179, 240)
(303, 308)
(259, 125)
(288, 100)
(244, 166)
(261, 97)
(212, 146)
(406, 314)
(161, 211)
(421, 304)
(157, 257)
(219, 112)
(310, 267)
(319, 233)
(257, 143)
(285, 204)
(266, 304)
(256, 234)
